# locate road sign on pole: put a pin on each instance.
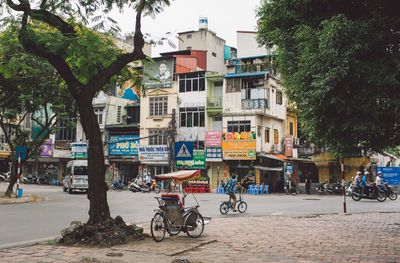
(183, 151)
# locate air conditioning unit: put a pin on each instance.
(259, 82)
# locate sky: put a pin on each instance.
(225, 17)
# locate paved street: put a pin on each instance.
(365, 237)
(34, 221)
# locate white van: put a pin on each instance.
(76, 176)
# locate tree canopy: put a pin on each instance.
(340, 61)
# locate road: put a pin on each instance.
(32, 221)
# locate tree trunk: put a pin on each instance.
(13, 179)
(99, 211)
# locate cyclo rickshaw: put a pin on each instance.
(172, 216)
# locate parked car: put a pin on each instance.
(76, 176)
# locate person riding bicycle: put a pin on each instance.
(230, 190)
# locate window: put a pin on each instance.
(276, 137)
(66, 130)
(266, 135)
(99, 115)
(233, 85)
(279, 97)
(189, 36)
(291, 128)
(198, 145)
(214, 54)
(157, 137)
(239, 126)
(159, 106)
(192, 117)
(189, 48)
(118, 114)
(192, 82)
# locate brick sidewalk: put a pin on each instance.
(368, 237)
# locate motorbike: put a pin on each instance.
(30, 179)
(290, 189)
(349, 189)
(320, 188)
(370, 192)
(389, 192)
(117, 186)
(137, 187)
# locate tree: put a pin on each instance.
(340, 63)
(30, 91)
(86, 65)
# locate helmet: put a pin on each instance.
(366, 172)
(358, 173)
(379, 173)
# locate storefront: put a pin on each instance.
(153, 160)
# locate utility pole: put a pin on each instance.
(171, 141)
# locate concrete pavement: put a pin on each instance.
(364, 237)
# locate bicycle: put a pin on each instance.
(228, 205)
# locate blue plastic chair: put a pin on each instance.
(266, 188)
(250, 189)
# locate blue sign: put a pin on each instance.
(391, 175)
(289, 168)
(123, 145)
(20, 150)
(79, 150)
(183, 151)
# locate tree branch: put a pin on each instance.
(23, 6)
(104, 75)
(54, 21)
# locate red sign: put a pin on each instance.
(288, 146)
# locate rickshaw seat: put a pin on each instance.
(174, 198)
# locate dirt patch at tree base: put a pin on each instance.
(113, 232)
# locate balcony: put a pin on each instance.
(214, 105)
(253, 67)
(255, 104)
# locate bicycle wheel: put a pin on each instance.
(242, 207)
(158, 227)
(194, 224)
(224, 208)
(157, 190)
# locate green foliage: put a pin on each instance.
(340, 61)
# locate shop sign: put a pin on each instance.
(239, 146)
(213, 138)
(198, 162)
(79, 150)
(153, 153)
(289, 169)
(47, 148)
(158, 74)
(391, 175)
(213, 154)
(239, 154)
(288, 146)
(123, 145)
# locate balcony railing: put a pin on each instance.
(215, 102)
(255, 104)
(256, 67)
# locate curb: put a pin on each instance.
(27, 243)
(13, 200)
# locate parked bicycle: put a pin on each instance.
(228, 205)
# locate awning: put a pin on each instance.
(273, 169)
(278, 157)
(179, 175)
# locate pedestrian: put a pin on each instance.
(308, 184)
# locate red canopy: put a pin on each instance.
(179, 175)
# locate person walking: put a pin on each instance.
(308, 184)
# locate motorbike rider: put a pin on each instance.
(230, 190)
(379, 181)
(357, 182)
(364, 183)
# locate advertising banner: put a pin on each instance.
(198, 162)
(213, 138)
(47, 148)
(158, 74)
(153, 153)
(123, 145)
(239, 154)
(289, 146)
(391, 175)
(79, 150)
(214, 154)
(239, 146)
